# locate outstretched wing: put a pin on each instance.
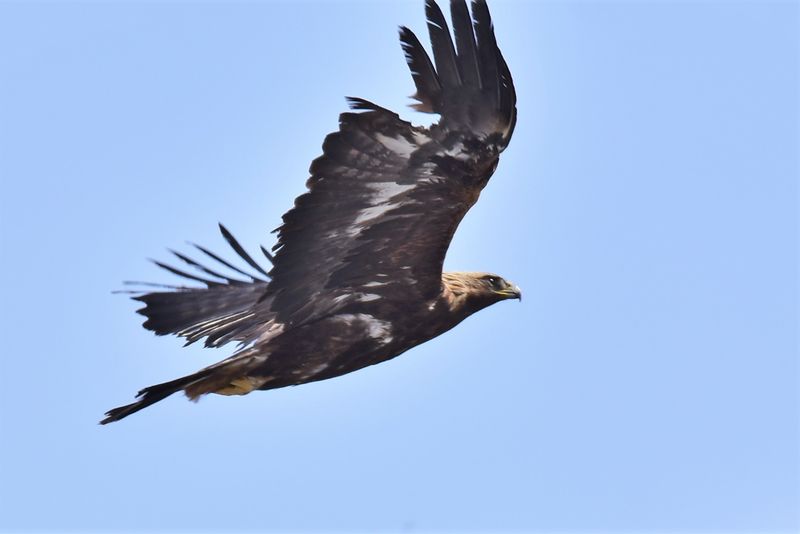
(385, 198)
(220, 312)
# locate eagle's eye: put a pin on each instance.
(494, 282)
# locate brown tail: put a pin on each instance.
(153, 394)
(228, 377)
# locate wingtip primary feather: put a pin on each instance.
(356, 103)
(184, 274)
(467, 55)
(429, 87)
(486, 48)
(240, 250)
(442, 44)
(267, 255)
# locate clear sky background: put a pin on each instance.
(647, 206)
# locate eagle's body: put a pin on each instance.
(357, 277)
(350, 339)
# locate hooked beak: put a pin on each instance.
(518, 293)
(512, 292)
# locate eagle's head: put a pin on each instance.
(471, 292)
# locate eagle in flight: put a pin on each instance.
(356, 276)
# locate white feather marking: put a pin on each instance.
(387, 190)
(225, 319)
(368, 297)
(273, 330)
(458, 152)
(398, 145)
(376, 329)
(317, 369)
(420, 139)
(373, 212)
(382, 200)
(428, 169)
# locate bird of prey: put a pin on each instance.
(356, 276)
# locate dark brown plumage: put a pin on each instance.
(356, 276)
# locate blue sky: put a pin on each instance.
(647, 206)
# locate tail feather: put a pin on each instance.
(151, 395)
(237, 375)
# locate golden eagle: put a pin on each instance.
(356, 275)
